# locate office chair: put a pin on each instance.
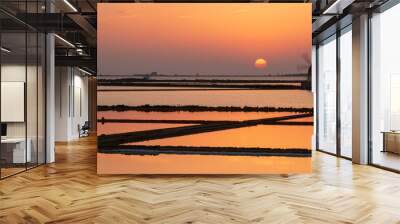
(84, 130)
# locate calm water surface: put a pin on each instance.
(262, 136)
(200, 164)
(261, 98)
(269, 136)
(117, 128)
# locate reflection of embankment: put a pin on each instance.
(133, 80)
(196, 108)
(135, 121)
(189, 150)
(169, 90)
(123, 138)
(205, 85)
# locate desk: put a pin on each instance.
(391, 141)
(13, 150)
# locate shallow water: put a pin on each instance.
(263, 136)
(200, 164)
(117, 128)
(254, 98)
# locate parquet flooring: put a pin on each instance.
(70, 191)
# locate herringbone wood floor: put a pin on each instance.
(70, 191)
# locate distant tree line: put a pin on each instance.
(197, 108)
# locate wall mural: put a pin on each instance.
(219, 88)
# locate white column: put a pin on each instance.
(50, 99)
(360, 90)
(50, 92)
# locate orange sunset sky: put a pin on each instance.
(209, 39)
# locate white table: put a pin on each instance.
(18, 148)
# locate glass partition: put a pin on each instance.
(41, 97)
(22, 88)
(385, 89)
(14, 153)
(31, 98)
(346, 92)
(327, 95)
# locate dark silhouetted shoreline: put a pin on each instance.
(189, 150)
(196, 108)
(138, 136)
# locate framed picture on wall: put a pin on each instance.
(204, 88)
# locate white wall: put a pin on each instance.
(82, 82)
(71, 87)
(13, 100)
(62, 82)
(33, 126)
(14, 73)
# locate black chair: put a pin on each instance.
(84, 130)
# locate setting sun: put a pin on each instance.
(260, 63)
